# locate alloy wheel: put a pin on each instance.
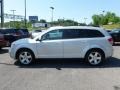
(95, 58)
(25, 58)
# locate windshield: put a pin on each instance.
(116, 30)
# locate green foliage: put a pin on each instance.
(42, 21)
(109, 17)
(17, 24)
(111, 26)
(62, 22)
(96, 19)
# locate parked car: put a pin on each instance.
(3, 42)
(91, 43)
(35, 33)
(12, 35)
(108, 31)
(115, 35)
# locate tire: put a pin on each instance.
(114, 43)
(25, 57)
(94, 57)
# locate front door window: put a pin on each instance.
(53, 35)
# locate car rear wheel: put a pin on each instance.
(94, 57)
(25, 57)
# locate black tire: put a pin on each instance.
(114, 43)
(25, 57)
(97, 58)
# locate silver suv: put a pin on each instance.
(90, 43)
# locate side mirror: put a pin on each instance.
(39, 40)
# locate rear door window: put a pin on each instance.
(74, 33)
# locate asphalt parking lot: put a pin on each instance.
(59, 74)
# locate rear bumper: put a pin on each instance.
(109, 52)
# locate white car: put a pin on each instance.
(90, 43)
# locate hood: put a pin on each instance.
(24, 41)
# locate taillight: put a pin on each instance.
(110, 40)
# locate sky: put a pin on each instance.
(68, 9)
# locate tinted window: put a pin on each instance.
(8, 31)
(74, 33)
(81, 33)
(94, 33)
(23, 30)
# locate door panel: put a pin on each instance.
(50, 49)
(73, 43)
(73, 48)
(51, 45)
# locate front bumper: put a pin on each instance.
(12, 52)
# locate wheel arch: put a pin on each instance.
(20, 49)
(97, 49)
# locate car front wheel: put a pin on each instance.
(94, 57)
(25, 57)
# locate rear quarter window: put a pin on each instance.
(94, 33)
(24, 31)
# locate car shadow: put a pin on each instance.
(70, 63)
(3, 51)
(116, 87)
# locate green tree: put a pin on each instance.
(62, 22)
(17, 24)
(109, 17)
(42, 21)
(96, 20)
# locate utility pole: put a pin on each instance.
(25, 15)
(2, 13)
(13, 12)
(73, 22)
(52, 16)
(85, 20)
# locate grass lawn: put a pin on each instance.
(110, 27)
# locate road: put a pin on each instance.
(59, 74)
